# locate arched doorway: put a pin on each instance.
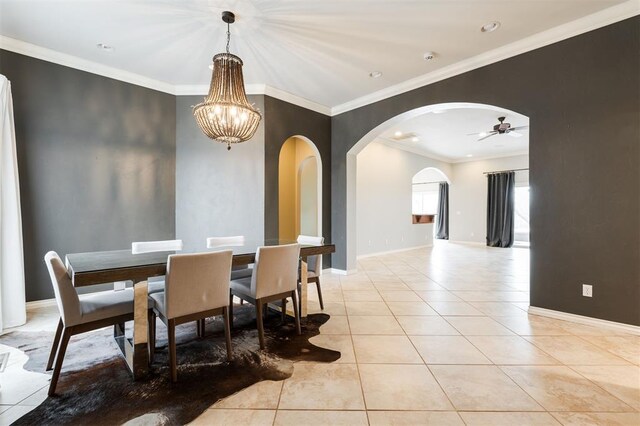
(427, 195)
(372, 135)
(299, 189)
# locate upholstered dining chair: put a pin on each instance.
(274, 278)
(79, 314)
(156, 284)
(237, 272)
(314, 265)
(197, 287)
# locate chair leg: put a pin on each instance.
(171, 332)
(284, 310)
(227, 332)
(296, 311)
(54, 345)
(259, 307)
(203, 324)
(231, 311)
(152, 335)
(66, 335)
(199, 328)
(319, 294)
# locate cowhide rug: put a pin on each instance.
(95, 386)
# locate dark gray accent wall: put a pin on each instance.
(220, 192)
(283, 120)
(582, 98)
(96, 160)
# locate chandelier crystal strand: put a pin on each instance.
(226, 115)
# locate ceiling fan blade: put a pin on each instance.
(520, 128)
(473, 134)
(488, 136)
(514, 134)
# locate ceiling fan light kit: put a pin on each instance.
(226, 115)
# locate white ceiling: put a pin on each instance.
(322, 51)
(444, 136)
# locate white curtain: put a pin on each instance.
(12, 297)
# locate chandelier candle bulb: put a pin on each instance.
(226, 115)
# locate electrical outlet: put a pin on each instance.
(587, 290)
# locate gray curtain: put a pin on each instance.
(442, 219)
(500, 209)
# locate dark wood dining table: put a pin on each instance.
(92, 268)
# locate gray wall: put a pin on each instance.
(219, 192)
(96, 159)
(283, 120)
(581, 96)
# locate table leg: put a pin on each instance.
(136, 350)
(304, 276)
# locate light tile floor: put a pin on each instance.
(432, 336)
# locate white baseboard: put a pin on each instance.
(627, 328)
(468, 243)
(381, 253)
(339, 271)
(41, 303)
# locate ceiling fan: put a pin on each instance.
(500, 129)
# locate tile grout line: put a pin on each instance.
(355, 357)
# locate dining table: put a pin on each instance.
(100, 267)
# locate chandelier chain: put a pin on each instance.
(228, 37)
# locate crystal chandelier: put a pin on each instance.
(226, 115)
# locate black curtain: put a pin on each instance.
(442, 219)
(500, 209)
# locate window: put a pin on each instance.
(425, 198)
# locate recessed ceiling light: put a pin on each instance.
(415, 139)
(491, 26)
(469, 155)
(375, 74)
(482, 134)
(398, 134)
(429, 56)
(104, 47)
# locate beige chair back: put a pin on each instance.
(213, 242)
(275, 270)
(197, 282)
(314, 263)
(155, 246)
(66, 295)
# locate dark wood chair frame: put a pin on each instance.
(261, 307)
(199, 318)
(63, 335)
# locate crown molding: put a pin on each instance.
(423, 153)
(260, 89)
(49, 55)
(491, 157)
(591, 22)
(297, 100)
(579, 26)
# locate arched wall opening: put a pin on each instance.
(299, 189)
(352, 228)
